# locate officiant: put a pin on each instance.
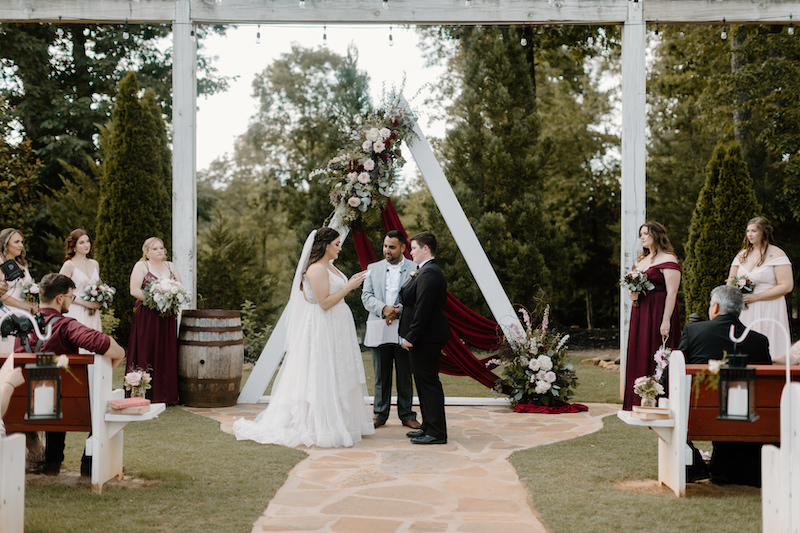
(380, 296)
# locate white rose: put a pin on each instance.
(369, 164)
(373, 134)
(550, 377)
(533, 365)
(132, 379)
(352, 175)
(714, 366)
(379, 147)
(545, 362)
(34, 289)
(541, 387)
(385, 132)
(62, 361)
(363, 178)
(353, 201)
(367, 146)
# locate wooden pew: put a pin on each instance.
(84, 408)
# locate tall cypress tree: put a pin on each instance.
(134, 201)
(726, 202)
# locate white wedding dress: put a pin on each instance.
(318, 398)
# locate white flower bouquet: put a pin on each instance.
(636, 281)
(743, 283)
(30, 292)
(535, 370)
(137, 381)
(98, 292)
(165, 295)
(647, 387)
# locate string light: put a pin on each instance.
(302, 4)
(468, 3)
(656, 28)
(391, 41)
(258, 35)
(523, 42)
(218, 2)
(590, 39)
(324, 35)
(125, 30)
(791, 26)
(724, 34)
(385, 4)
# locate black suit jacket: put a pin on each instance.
(708, 340)
(423, 298)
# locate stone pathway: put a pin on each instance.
(386, 484)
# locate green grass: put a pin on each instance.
(203, 480)
(573, 488)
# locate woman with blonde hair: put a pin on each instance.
(768, 266)
(12, 246)
(153, 341)
(656, 321)
(84, 271)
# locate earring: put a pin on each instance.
(146, 258)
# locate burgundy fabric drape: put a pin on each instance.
(550, 409)
(466, 325)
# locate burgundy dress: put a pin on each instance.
(153, 343)
(644, 337)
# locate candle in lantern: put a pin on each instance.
(44, 400)
(738, 404)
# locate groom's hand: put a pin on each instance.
(407, 345)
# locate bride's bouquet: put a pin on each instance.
(165, 296)
(30, 292)
(636, 281)
(98, 292)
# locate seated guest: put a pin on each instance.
(68, 335)
(731, 462)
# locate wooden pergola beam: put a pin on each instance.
(399, 11)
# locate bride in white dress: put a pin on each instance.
(318, 398)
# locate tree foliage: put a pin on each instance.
(727, 201)
(134, 198)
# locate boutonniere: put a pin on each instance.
(413, 273)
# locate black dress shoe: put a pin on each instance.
(428, 439)
(414, 434)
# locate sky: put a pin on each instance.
(223, 117)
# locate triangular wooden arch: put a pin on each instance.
(464, 236)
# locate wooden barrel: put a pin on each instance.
(210, 357)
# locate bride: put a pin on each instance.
(318, 395)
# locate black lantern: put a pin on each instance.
(737, 390)
(44, 388)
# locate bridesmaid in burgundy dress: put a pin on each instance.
(657, 318)
(153, 341)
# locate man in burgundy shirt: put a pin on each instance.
(55, 297)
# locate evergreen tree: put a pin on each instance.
(727, 201)
(18, 185)
(133, 195)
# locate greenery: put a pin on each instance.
(135, 191)
(583, 477)
(209, 482)
(727, 201)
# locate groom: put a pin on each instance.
(424, 330)
(380, 297)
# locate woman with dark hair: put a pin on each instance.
(656, 320)
(12, 246)
(84, 271)
(769, 267)
(318, 395)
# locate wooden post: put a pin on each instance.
(184, 179)
(12, 483)
(634, 77)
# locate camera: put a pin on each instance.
(11, 270)
(19, 326)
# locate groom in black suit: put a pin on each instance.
(731, 462)
(424, 330)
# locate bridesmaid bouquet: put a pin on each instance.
(636, 281)
(99, 292)
(743, 283)
(165, 296)
(30, 292)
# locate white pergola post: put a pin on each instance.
(184, 178)
(634, 153)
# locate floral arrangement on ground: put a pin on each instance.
(534, 369)
(362, 176)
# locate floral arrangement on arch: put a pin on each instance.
(362, 177)
(535, 370)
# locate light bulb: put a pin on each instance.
(791, 29)
(523, 41)
(724, 34)
(302, 4)
(385, 4)
(324, 36)
(590, 40)
(258, 35)
(218, 2)
(468, 3)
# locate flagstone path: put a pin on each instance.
(386, 484)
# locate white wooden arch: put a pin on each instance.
(633, 15)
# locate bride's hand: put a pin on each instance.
(356, 280)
